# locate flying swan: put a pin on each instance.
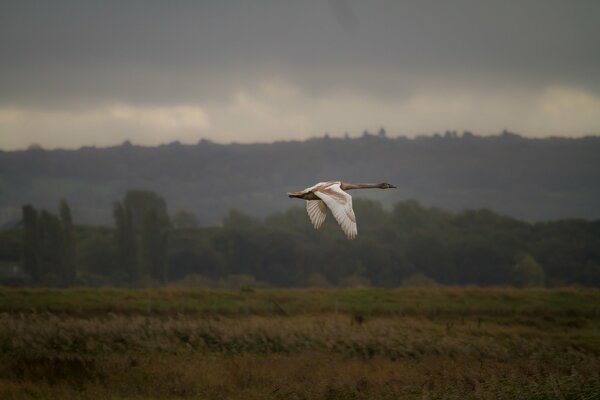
(333, 194)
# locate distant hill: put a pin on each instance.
(533, 179)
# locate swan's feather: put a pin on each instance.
(314, 187)
(317, 211)
(340, 204)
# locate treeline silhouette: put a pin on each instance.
(531, 179)
(407, 245)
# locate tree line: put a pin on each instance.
(531, 179)
(407, 245)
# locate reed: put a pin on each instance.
(304, 344)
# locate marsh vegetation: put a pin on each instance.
(300, 344)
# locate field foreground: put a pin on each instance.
(300, 344)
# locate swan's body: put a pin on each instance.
(333, 195)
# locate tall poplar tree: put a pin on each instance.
(69, 267)
(31, 244)
(126, 242)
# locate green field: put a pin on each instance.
(300, 344)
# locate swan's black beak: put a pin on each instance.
(392, 186)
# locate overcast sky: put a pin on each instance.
(76, 73)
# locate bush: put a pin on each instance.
(419, 280)
(527, 272)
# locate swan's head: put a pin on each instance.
(386, 185)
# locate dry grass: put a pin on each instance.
(476, 343)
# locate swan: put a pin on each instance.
(333, 195)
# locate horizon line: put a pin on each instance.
(448, 134)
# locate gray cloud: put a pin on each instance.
(85, 56)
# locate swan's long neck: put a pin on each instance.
(350, 186)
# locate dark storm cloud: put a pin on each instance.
(153, 51)
(80, 54)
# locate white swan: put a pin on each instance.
(333, 195)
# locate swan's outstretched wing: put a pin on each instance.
(317, 211)
(340, 204)
(314, 187)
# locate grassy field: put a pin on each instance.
(300, 344)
